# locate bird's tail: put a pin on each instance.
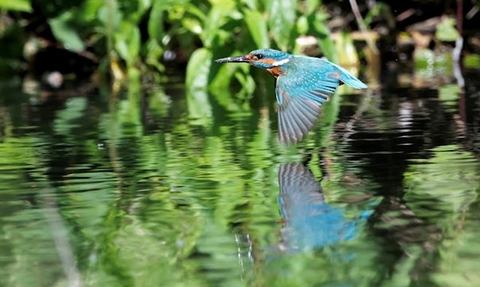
(349, 79)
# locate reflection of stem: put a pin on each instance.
(457, 54)
(362, 26)
(61, 240)
(363, 107)
(324, 161)
(112, 148)
(244, 251)
(7, 122)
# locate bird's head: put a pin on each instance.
(263, 58)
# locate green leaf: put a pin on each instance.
(127, 42)
(282, 16)
(223, 77)
(16, 5)
(471, 61)
(65, 32)
(328, 48)
(302, 25)
(424, 58)
(446, 30)
(218, 15)
(346, 50)
(110, 15)
(88, 11)
(155, 23)
(257, 26)
(319, 29)
(198, 69)
(312, 6)
(192, 25)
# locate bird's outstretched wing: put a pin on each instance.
(300, 95)
(297, 115)
(301, 91)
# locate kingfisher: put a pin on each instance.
(302, 85)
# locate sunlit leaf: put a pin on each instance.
(155, 23)
(472, 61)
(16, 5)
(257, 27)
(302, 25)
(192, 25)
(89, 10)
(320, 30)
(281, 21)
(110, 15)
(312, 6)
(327, 45)
(216, 18)
(66, 33)
(446, 30)
(127, 42)
(424, 58)
(346, 52)
(251, 4)
(223, 77)
(198, 69)
(154, 54)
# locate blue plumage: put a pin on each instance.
(303, 84)
(310, 222)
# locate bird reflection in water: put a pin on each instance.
(310, 222)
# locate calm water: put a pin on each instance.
(159, 188)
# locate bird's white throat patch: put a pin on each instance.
(281, 62)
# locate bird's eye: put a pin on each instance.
(257, 57)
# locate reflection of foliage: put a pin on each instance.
(450, 177)
(440, 191)
(146, 207)
(453, 183)
(163, 194)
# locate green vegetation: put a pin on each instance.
(123, 39)
(136, 34)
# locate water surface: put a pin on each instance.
(171, 188)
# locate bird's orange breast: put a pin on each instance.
(275, 71)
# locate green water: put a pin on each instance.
(171, 188)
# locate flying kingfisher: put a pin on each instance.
(302, 85)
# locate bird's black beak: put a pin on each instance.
(238, 59)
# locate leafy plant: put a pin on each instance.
(139, 33)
